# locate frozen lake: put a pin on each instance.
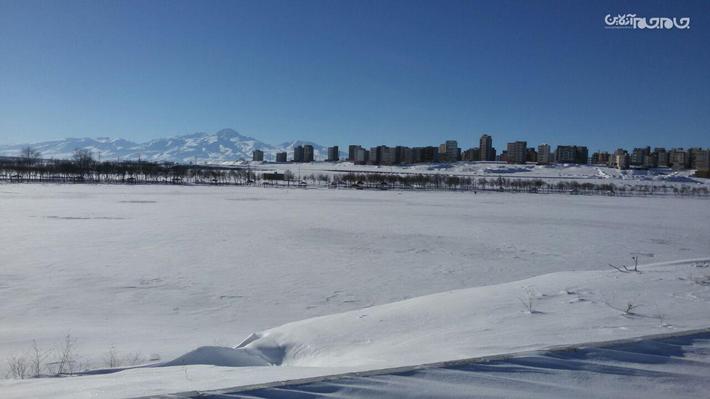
(161, 270)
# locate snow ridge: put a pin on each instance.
(570, 308)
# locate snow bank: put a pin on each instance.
(554, 309)
(563, 308)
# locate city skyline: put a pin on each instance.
(384, 72)
(496, 144)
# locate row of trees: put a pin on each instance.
(470, 183)
(83, 168)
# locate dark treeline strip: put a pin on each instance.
(83, 169)
(527, 185)
(86, 170)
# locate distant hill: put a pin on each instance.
(224, 145)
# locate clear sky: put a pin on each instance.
(371, 72)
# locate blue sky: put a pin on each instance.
(370, 72)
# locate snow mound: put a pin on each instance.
(221, 356)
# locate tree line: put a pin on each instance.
(505, 184)
(83, 168)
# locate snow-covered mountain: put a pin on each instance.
(224, 145)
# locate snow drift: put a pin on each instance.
(562, 308)
(541, 313)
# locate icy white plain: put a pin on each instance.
(164, 270)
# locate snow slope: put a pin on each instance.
(569, 308)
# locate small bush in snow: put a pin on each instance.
(628, 269)
(528, 301)
(629, 309)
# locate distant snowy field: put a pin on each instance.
(163, 270)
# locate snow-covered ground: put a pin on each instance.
(164, 270)
(567, 309)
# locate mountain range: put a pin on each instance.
(223, 146)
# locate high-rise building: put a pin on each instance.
(565, 154)
(333, 154)
(361, 156)
(544, 156)
(281, 157)
(387, 155)
(452, 150)
(678, 158)
(472, 154)
(571, 154)
(600, 158)
(650, 161)
(375, 156)
(531, 155)
(702, 160)
(298, 153)
(308, 155)
(661, 157)
(400, 154)
(638, 155)
(352, 151)
(486, 148)
(693, 156)
(407, 156)
(257, 155)
(517, 152)
(428, 154)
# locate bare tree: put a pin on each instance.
(30, 155)
(66, 361)
(289, 176)
(17, 367)
(111, 358)
(83, 159)
(37, 359)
